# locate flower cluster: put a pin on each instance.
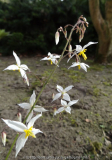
(62, 93)
(27, 130)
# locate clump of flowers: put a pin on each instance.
(27, 130)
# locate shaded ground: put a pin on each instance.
(85, 134)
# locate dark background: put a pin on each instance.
(32, 25)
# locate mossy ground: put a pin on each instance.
(80, 134)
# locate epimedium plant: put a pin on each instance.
(28, 130)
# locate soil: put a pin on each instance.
(86, 133)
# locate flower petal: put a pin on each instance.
(30, 116)
(59, 88)
(24, 67)
(66, 97)
(68, 88)
(32, 121)
(87, 65)
(72, 56)
(74, 64)
(72, 102)
(20, 143)
(35, 131)
(63, 103)
(24, 105)
(12, 67)
(45, 58)
(39, 109)
(32, 99)
(61, 109)
(26, 80)
(79, 48)
(68, 109)
(56, 96)
(83, 66)
(57, 56)
(54, 61)
(15, 125)
(17, 59)
(49, 54)
(88, 44)
(23, 73)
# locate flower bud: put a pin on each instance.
(55, 111)
(60, 29)
(53, 96)
(65, 34)
(57, 37)
(3, 134)
(70, 48)
(80, 38)
(19, 116)
(87, 24)
(85, 19)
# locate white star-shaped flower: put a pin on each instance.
(52, 58)
(80, 65)
(81, 50)
(20, 67)
(63, 93)
(66, 107)
(30, 104)
(25, 131)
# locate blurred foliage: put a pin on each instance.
(33, 23)
(3, 33)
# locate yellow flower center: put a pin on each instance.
(18, 67)
(51, 62)
(79, 67)
(29, 132)
(83, 54)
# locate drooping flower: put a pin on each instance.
(52, 58)
(57, 37)
(3, 135)
(80, 65)
(20, 67)
(66, 107)
(30, 104)
(63, 93)
(25, 130)
(81, 50)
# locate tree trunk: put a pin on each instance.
(108, 16)
(103, 31)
